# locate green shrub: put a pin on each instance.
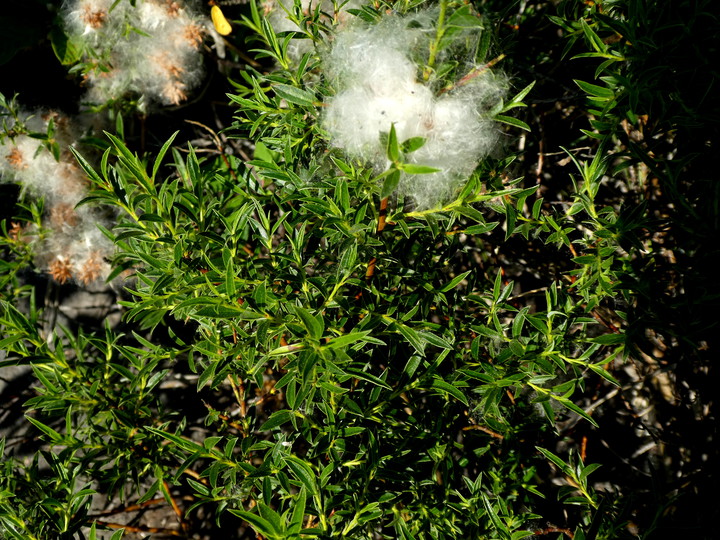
(356, 332)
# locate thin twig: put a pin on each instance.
(139, 529)
(472, 74)
(527, 293)
(183, 524)
(551, 530)
(131, 508)
(218, 145)
(239, 393)
(541, 158)
(382, 217)
(485, 430)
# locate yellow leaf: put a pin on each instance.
(219, 21)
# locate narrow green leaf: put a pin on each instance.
(362, 375)
(609, 339)
(500, 527)
(273, 518)
(587, 471)
(393, 147)
(151, 217)
(481, 228)
(131, 161)
(347, 339)
(512, 122)
(161, 155)
(604, 374)
(444, 387)
(67, 50)
(229, 273)
(497, 285)
(401, 528)
(570, 405)
(522, 93)
(185, 444)
(454, 282)
(595, 41)
(303, 472)
(412, 144)
(221, 312)
(464, 17)
(260, 525)
(411, 366)
(295, 95)
(599, 92)
(537, 207)
(519, 321)
(55, 437)
(298, 514)
(210, 442)
(412, 337)
(199, 487)
(554, 459)
(277, 419)
(314, 325)
(411, 168)
(86, 167)
(391, 183)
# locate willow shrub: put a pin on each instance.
(388, 381)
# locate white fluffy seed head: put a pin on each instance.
(356, 117)
(71, 247)
(26, 161)
(375, 72)
(161, 62)
(277, 12)
(153, 15)
(90, 18)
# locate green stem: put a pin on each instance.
(435, 45)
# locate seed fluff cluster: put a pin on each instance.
(278, 13)
(69, 246)
(151, 49)
(377, 72)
